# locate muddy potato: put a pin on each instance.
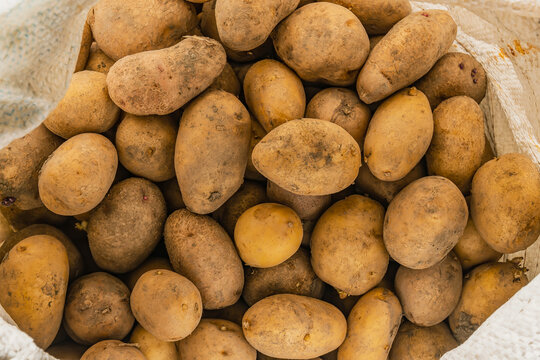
(227, 81)
(152, 348)
(86, 42)
(152, 263)
(472, 250)
(98, 61)
(233, 313)
(257, 133)
(306, 207)
(172, 194)
(66, 350)
(113, 349)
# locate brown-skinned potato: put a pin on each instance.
(113, 349)
(98, 61)
(306, 207)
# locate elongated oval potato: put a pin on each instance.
(274, 94)
(347, 249)
(77, 176)
(294, 326)
(424, 222)
(406, 53)
(472, 250)
(201, 250)
(98, 60)
(308, 157)
(151, 347)
(371, 326)
(485, 289)
(505, 202)
(33, 283)
(398, 135)
(113, 349)
(307, 207)
(159, 82)
(211, 150)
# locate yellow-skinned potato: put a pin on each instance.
(371, 326)
(67, 350)
(419, 39)
(485, 289)
(294, 326)
(257, 134)
(212, 150)
(274, 94)
(172, 194)
(472, 250)
(113, 349)
(33, 282)
(398, 135)
(308, 157)
(227, 81)
(233, 313)
(86, 42)
(151, 347)
(267, 234)
(307, 207)
(98, 61)
(347, 249)
(152, 263)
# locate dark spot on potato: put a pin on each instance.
(8, 201)
(21, 248)
(215, 195)
(461, 66)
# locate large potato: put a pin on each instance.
(307, 207)
(33, 282)
(152, 263)
(308, 157)
(257, 134)
(406, 53)
(98, 60)
(113, 350)
(472, 250)
(151, 347)
(212, 150)
(67, 350)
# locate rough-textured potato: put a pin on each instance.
(67, 350)
(125, 27)
(161, 81)
(398, 135)
(145, 145)
(33, 282)
(98, 61)
(347, 248)
(20, 163)
(429, 295)
(227, 81)
(151, 347)
(172, 194)
(166, 304)
(406, 53)
(455, 74)
(294, 326)
(306, 207)
(113, 350)
(19, 219)
(371, 326)
(257, 134)
(152, 263)
(274, 94)
(233, 313)
(333, 58)
(97, 308)
(267, 234)
(505, 202)
(308, 157)
(472, 250)
(342, 107)
(414, 342)
(485, 289)
(211, 150)
(86, 42)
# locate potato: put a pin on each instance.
(414, 342)
(98, 61)
(172, 194)
(500, 213)
(125, 27)
(240, 69)
(113, 349)
(342, 107)
(307, 227)
(455, 74)
(485, 289)
(19, 219)
(334, 58)
(152, 263)
(347, 248)
(33, 282)
(429, 295)
(145, 145)
(398, 135)
(308, 157)
(227, 81)
(161, 81)
(97, 308)
(257, 133)
(216, 339)
(84, 50)
(420, 39)
(233, 313)
(306, 207)
(371, 326)
(488, 153)
(472, 250)
(67, 350)
(267, 234)
(424, 222)
(294, 326)
(374, 40)
(20, 163)
(5, 231)
(152, 348)
(274, 94)
(166, 304)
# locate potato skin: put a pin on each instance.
(86, 42)
(98, 61)
(257, 134)
(506, 222)
(33, 282)
(227, 81)
(419, 40)
(152, 348)
(307, 207)
(181, 72)
(308, 157)
(347, 248)
(5, 231)
(472, 250)
(294, 326)
(333, 59)
(152, 263)
(113, 349)
(485, 289)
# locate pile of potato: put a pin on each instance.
(271, 179)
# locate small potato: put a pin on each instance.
(216, 339)
(166, 304)
(257, 134)
(505, 202)
(227, 81)
(267, 234)
(98, 61)
(233, 313)
(152, 263)
(19, 219)
(146, 144)
(334, 58)
(347, 248)
(307, 207)
(113, 349)
(485, 289)
(274, 94)
(67, 350)
(420, 39)
(308, 157)
(429, 295)
(152, 348)
(294, 326)
(472, 250)
(86, 42)
(172, 194)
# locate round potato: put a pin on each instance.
(307, 207)
(233, 313)
(86, 42)
(257, 133)
(66, 350)
(113, 349)
(152, 263)
(98, 61)
(152, 348)
(227, 81)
